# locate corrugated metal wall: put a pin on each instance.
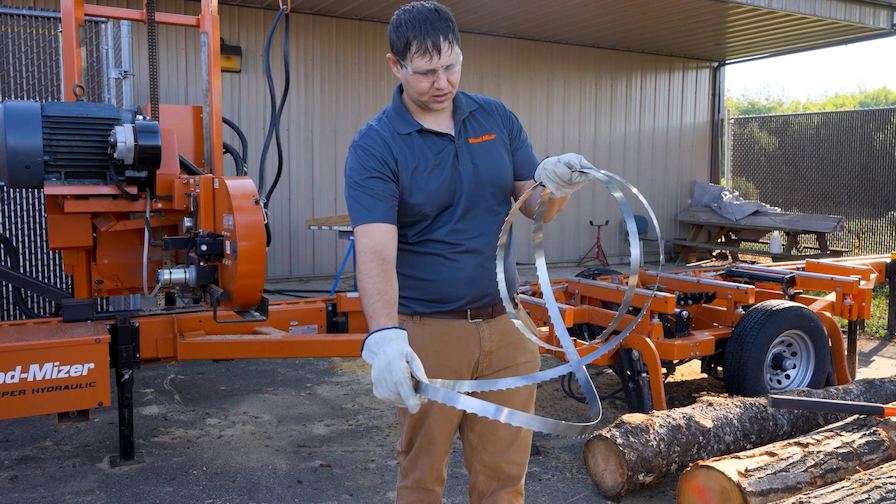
(644, 117)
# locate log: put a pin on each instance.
(877, 486)
(786, 468)
(638, 450)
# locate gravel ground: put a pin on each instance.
(282, 431)
(266, 431)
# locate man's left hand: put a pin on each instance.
(563, 174)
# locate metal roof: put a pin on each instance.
(712, 30)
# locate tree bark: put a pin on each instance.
(638, 450)
(786, 468)
(877, 486)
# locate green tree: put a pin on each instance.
(764, 104)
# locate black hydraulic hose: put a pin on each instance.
(244, 144)
(288, 293)
(272, 94)
(276, 111)
(566, 385)
(18, 297)
(238, 162)
(280, 107)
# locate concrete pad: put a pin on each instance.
(877, 358)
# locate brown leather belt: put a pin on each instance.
(484, 313)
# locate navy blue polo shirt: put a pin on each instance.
(447, 194)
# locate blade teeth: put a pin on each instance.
(489, 389)
(507, 422)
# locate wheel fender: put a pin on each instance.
(838, 349)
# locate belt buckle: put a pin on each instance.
(470, 318)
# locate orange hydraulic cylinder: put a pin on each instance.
(651, 358)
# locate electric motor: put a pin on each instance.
(76, 143)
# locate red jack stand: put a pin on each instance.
(597, 248)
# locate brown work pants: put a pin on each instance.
(496, 455)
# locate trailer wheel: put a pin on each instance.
(778, 345)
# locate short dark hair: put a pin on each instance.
(421, 28)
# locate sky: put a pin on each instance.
(818, 73)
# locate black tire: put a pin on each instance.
(778, 345)
(597, 272)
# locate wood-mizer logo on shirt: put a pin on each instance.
(483, 138)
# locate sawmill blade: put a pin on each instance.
(452, 393)
(506, 415)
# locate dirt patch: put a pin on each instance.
(295, 431)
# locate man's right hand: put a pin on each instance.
(392, 359)
(563, 174)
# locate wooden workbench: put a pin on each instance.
(332, 223)
(711, 232)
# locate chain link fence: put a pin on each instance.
(836, 163)
(31, 69)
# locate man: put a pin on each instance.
(429, 182)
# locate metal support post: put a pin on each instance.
(124, 350)
(718, 118)
(891, 300)
(126, 72)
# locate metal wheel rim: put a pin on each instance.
(798, 366)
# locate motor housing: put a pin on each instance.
(76, 143)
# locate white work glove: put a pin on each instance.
(562, 174)
(391, 359)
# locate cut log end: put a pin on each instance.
(606, 465)
(708, 485)
(650, 447)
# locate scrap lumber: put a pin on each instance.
(638, 450)
(786, 468)
(877, 486)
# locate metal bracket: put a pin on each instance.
(257, 314)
